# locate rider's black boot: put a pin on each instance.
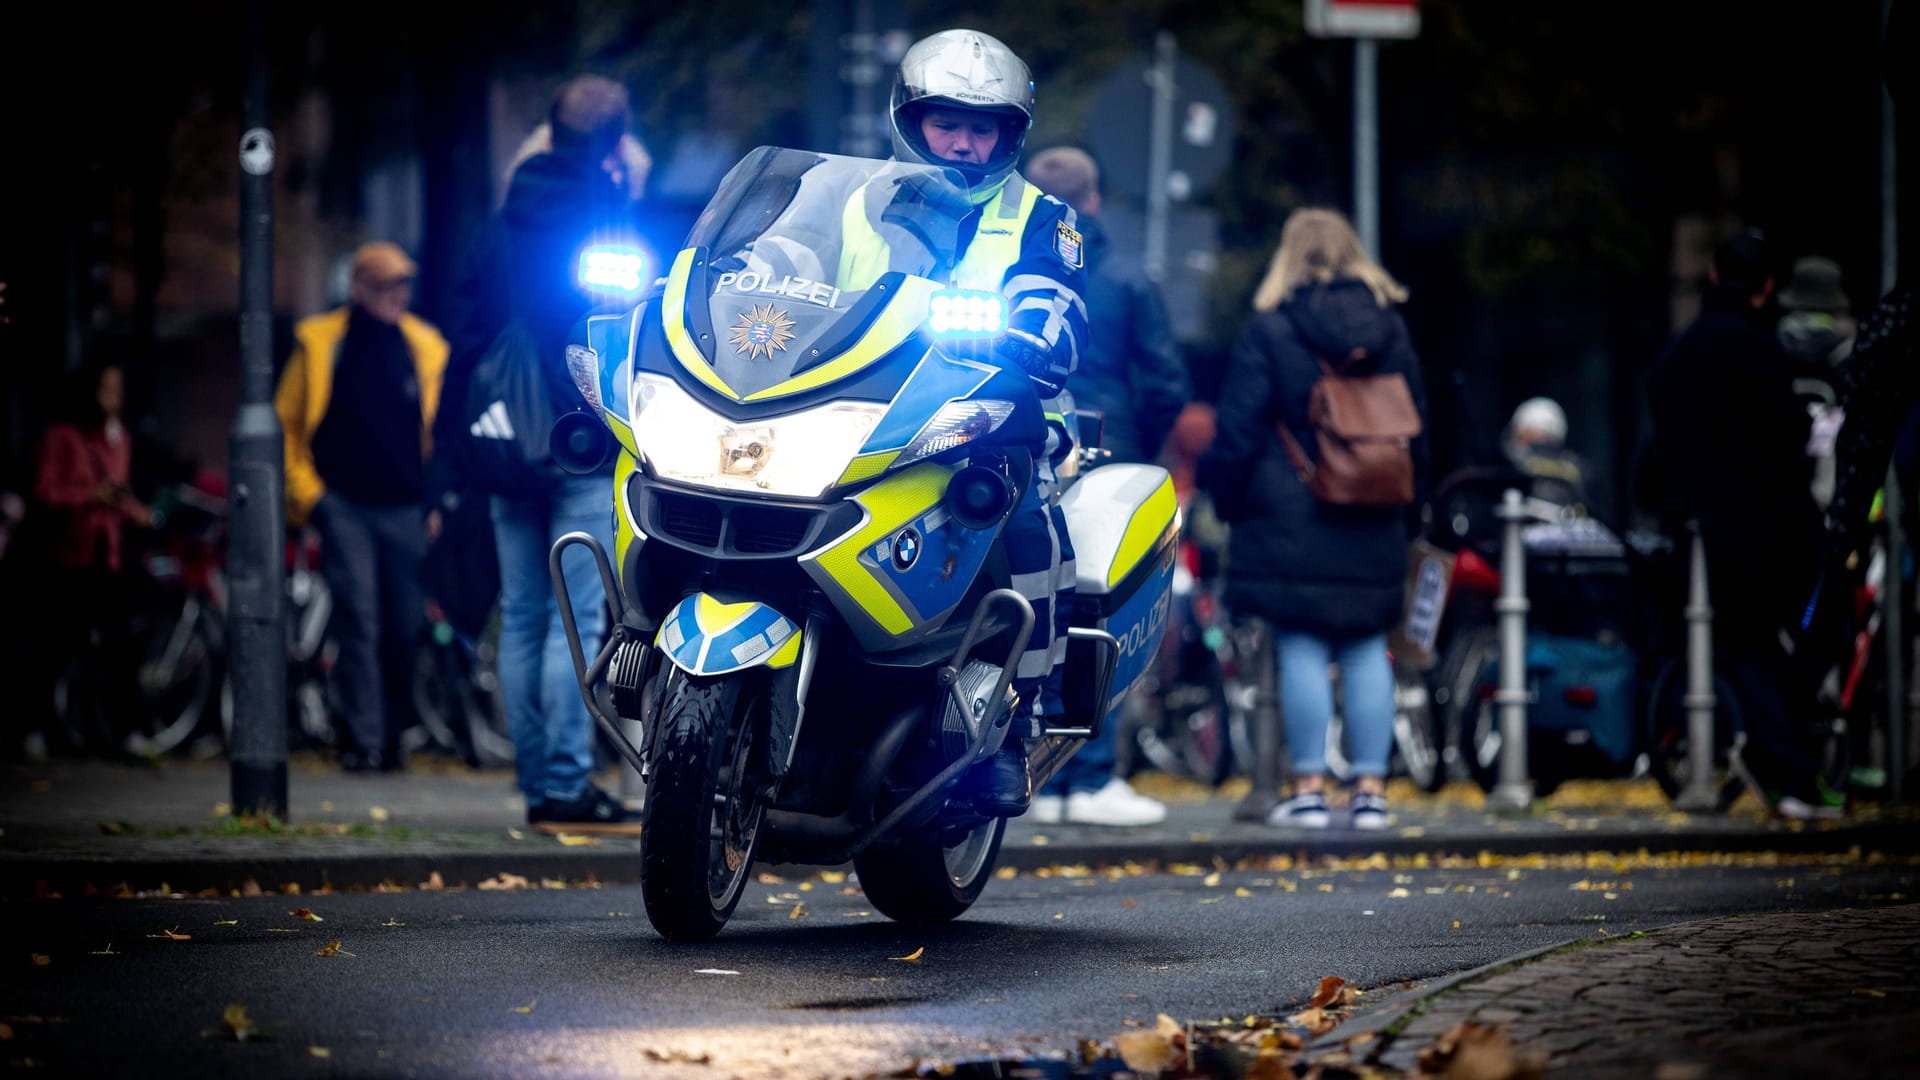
(1001, 784)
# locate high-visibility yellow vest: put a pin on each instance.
(995, 246)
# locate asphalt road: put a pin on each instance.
(574, 982)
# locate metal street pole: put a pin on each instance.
(1160, 154)
(256, 615)
(1700, 702)
(1366, 144)
(1514, 790)
(1897, 653)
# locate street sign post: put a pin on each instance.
(1365, 21)
(1166, 164)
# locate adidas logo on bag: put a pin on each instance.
(493, 424)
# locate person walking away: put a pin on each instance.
(1730, 439)
(82, 487)
(1324, 564)
(1133, 375)
(357, 399)
(518, 288)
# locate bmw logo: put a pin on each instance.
(906, 549)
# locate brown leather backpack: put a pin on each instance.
(1364, 427)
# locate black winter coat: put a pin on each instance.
(522, 263)
(1730, 441)
(1298, 563)
(1132, 371)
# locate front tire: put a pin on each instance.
(703, 813)
(922, 881)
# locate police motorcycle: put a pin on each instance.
(812, 622)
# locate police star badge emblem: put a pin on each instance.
(1068, 245)
(760, 331)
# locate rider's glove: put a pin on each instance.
(1022, 351)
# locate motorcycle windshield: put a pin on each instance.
(795, 239)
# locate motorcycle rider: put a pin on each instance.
(963, 100)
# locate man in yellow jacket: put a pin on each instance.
(357, 400)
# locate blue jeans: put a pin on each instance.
(1366, 700)
(552, 733)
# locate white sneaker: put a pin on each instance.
(1115, 804)
(1304, 811)
(1046, 809)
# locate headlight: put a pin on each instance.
(799, 455)
(611, 268)
(966, 311)
(956, 423)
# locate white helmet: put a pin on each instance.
(963, 69)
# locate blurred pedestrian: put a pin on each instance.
(1328, 575)
(1816, 329)
(1730, 441)
(82, 487)
(1536, 444)
(518, 284)
(357, 399)
(1131, 373)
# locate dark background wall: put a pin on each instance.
(1551, 177)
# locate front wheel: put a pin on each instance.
(703, 810)
(923, 880)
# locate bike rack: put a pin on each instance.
(587, 676)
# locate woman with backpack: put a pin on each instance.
(1321, 447)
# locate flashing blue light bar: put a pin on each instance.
(965, 311)
(612, 268)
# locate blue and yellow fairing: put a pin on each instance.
(705, 636)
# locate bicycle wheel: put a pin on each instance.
(1669, 735)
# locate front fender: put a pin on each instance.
(703, 636)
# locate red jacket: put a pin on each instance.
(73, 465)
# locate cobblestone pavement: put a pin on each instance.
(1795, 994)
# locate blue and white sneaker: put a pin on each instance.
(1304, 811)
(1369, 810)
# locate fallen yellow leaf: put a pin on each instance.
(1398, 894)
(1211, 880)
(378, 813)
(41, 959)
(1145, 1052)
(798, 910)
(393, 922)
(226, 922)
(1243, 891)
(319, 1052)
(912, 957)
(237, 1025)
(766, 878)
(434, 883)
(833, 877)
(806, 886)
(331, 948)
(506, 881)
(573, 840)
(523, 1010)
(172, 935)
(305, 913)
